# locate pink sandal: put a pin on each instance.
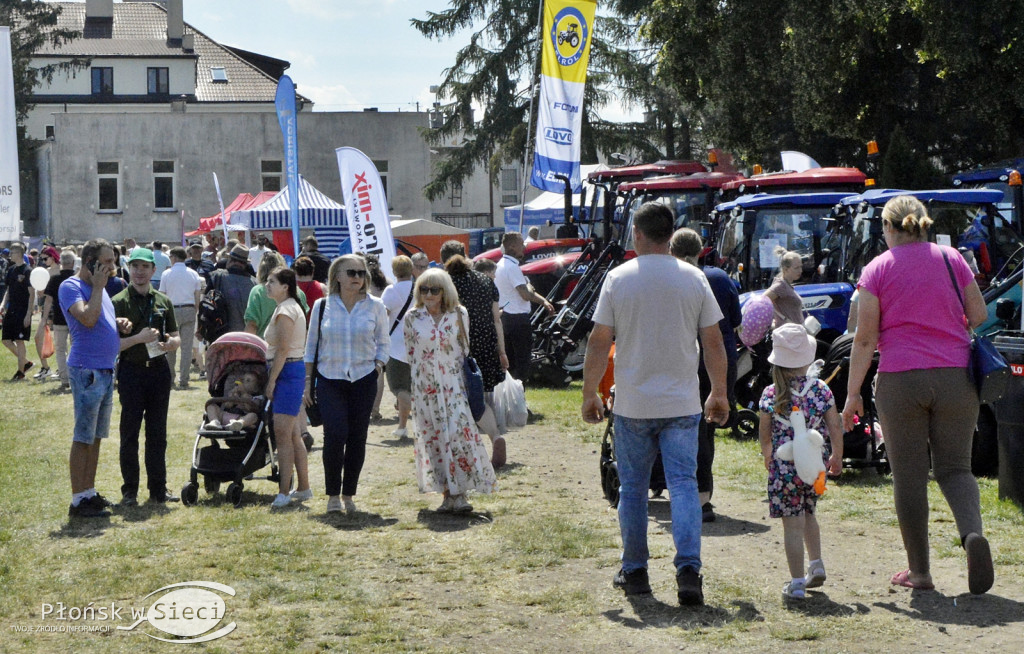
(903, 579)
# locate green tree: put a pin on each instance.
(496, 69)
(34, 24)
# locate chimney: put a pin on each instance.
(99, 9)
(175, 21)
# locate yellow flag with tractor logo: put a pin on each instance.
(568, 31)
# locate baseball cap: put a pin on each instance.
(142, 254)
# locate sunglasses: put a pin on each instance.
(355, 273)
(430, 290)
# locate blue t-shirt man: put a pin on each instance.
(93, 347)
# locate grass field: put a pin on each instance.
(529, 570)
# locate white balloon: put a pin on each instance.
(39, 278)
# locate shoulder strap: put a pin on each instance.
(952, 278)
(319, 335)
(401, 313)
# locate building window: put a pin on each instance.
(102, 81)
(49, 131)
(509, 186)
(270, 174)
(108, 175)
(382, 167)
(456, 195)
(157, 81)
(163, 185)
(218, 74)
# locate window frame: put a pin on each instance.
(163, 175)
(266, 175)
(150, 71)
(100, 177)
(93, 70)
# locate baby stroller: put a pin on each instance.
(222, 455)
(862, 446)
(609, 467)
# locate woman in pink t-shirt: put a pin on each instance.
(910, 310)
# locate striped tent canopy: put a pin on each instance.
(316, 211)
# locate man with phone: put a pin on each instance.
(94, 346)
(144, 378)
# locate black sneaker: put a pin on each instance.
(707, 512)
(633, 583)
(129, 499)
(88, 508)
(163, 498)
(99, 500)
(691, 587)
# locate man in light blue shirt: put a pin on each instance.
(162, 262)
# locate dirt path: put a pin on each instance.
(553, 476)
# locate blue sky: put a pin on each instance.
(345, 54)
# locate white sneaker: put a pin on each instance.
(280, 501)
(401, 432)
(815, 575)
(794, 591)
(334, 504)
(302, 496)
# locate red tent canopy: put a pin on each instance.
(243, 201)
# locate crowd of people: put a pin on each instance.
(917, 302)
(336, 330)
(332, 329)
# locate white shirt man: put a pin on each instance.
(184, 287)
(514, 297)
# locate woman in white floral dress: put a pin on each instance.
(450, 456)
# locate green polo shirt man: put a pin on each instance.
(144, 378)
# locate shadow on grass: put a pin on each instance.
(533, 417)
(83, 528)
(652, 612)
(395, 442)
(862, 478)
(661, 510)
(144, 511)
(450, 522)
(964, 610)
(360, 520)
(508, 468)
(818, 604)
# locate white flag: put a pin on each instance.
(10, 189)
(366, 206)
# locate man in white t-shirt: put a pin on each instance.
(185, 288)
(654, 307)
(398, 299)
(515, 294)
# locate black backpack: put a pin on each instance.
(212, 319)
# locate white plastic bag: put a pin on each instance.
(511, 398)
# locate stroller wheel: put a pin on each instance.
(611, 483)
(234, 493)
(746, 425)
(190, 494)
(211, 485)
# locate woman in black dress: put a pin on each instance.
(479, 295)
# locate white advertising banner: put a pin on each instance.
(10, 190)
(366, 206)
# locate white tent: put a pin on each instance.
(551, 206)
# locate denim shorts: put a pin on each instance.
(291, 383)
(93, 393)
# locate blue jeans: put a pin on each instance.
(637, 443)
(93, 393)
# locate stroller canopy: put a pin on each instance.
(231, 348)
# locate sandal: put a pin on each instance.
(980, 574)
(903, 579)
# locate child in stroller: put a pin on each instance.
(237, 409)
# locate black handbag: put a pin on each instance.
(987, 368)
(474, 377)
(313, 410)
